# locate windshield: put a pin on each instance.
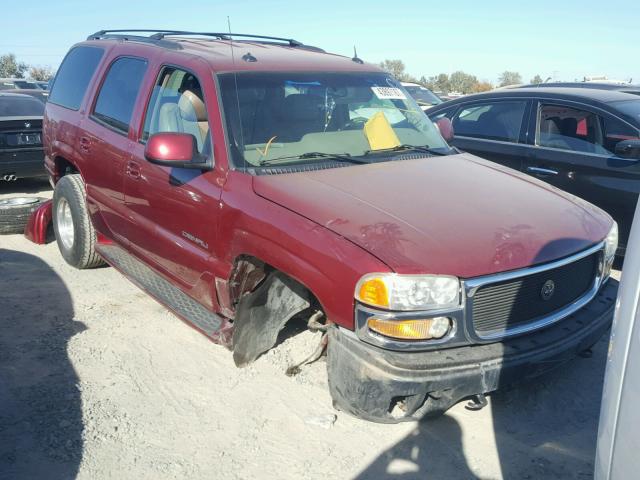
(20, 106)
(630, 108)
(25, 85)
(287, 115)
(423, 96)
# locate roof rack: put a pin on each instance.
(158, 37)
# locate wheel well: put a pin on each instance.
(64, 167)
(265, 301)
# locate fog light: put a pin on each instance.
(422, 329)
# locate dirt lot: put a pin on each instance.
(97, 380)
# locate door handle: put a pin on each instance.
(542, 171)
(133, 170)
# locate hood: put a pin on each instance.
(456, 215)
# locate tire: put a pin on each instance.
(75, 235)
(15, 212)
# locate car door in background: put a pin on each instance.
(493, 129)
(574, 149)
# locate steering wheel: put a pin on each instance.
(356, 122)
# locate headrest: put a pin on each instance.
(301, 107)
(192, 107)
(569, 126)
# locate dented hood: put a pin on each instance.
(456, 215)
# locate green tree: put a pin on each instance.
(10, 67)
(509, 78)
(537, 80)
(41, 74)
(397, 69)
(462, 82)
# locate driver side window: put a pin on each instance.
(177, 105)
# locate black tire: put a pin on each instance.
(80, 251)
(15, 212)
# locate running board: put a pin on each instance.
(217, 328)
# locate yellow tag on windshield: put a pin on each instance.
(379, 133)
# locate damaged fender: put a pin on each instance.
(261, 314)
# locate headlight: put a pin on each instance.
(611, 244)
(408, 292)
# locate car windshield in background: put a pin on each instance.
(423, 96)
(630, 108)
(304, 117)
(20, 106)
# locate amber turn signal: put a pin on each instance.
(374, 292)
(424, 329)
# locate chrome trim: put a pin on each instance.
(455, 336)
(471, 286)
(542, 171)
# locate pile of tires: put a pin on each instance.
(15, 212)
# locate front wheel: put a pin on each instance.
(74, 231)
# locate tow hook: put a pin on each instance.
(477, 402)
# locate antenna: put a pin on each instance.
(235, 81)
(355, 56)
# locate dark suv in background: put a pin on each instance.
(585, 141)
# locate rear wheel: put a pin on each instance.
(74, 231)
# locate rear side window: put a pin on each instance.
(20, 106)
(119, 91)
(568, 128)
(74, 75)
(493, 121)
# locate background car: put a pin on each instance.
(39, 94)
(425, 97)
(584, 141)
(18, 83)
(21, 153)
(616, 455)
(621, 87)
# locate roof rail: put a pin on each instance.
(159, 35)
(122, 35)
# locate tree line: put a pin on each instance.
(459, 81)
(10, 67)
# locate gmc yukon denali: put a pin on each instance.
(245, 181)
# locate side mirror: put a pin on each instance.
(628, 149)
(446, 128)
(174, 150)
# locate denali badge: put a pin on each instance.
(548, 289)
(195, 239)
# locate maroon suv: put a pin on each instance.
(245, 181)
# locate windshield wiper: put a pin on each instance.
(404, 146)
(347, 158)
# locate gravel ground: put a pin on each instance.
(97, 380)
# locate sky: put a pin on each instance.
(562, 39)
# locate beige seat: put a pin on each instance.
(193, 116)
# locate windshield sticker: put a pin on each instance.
(389, 93)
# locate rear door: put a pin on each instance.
(105, 144)
(573, 148)
(493, 129)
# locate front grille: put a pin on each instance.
(512, 303)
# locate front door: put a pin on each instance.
(575, 151)
(173, 211)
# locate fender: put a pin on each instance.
(38, 223)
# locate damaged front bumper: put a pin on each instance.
(389, 386)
